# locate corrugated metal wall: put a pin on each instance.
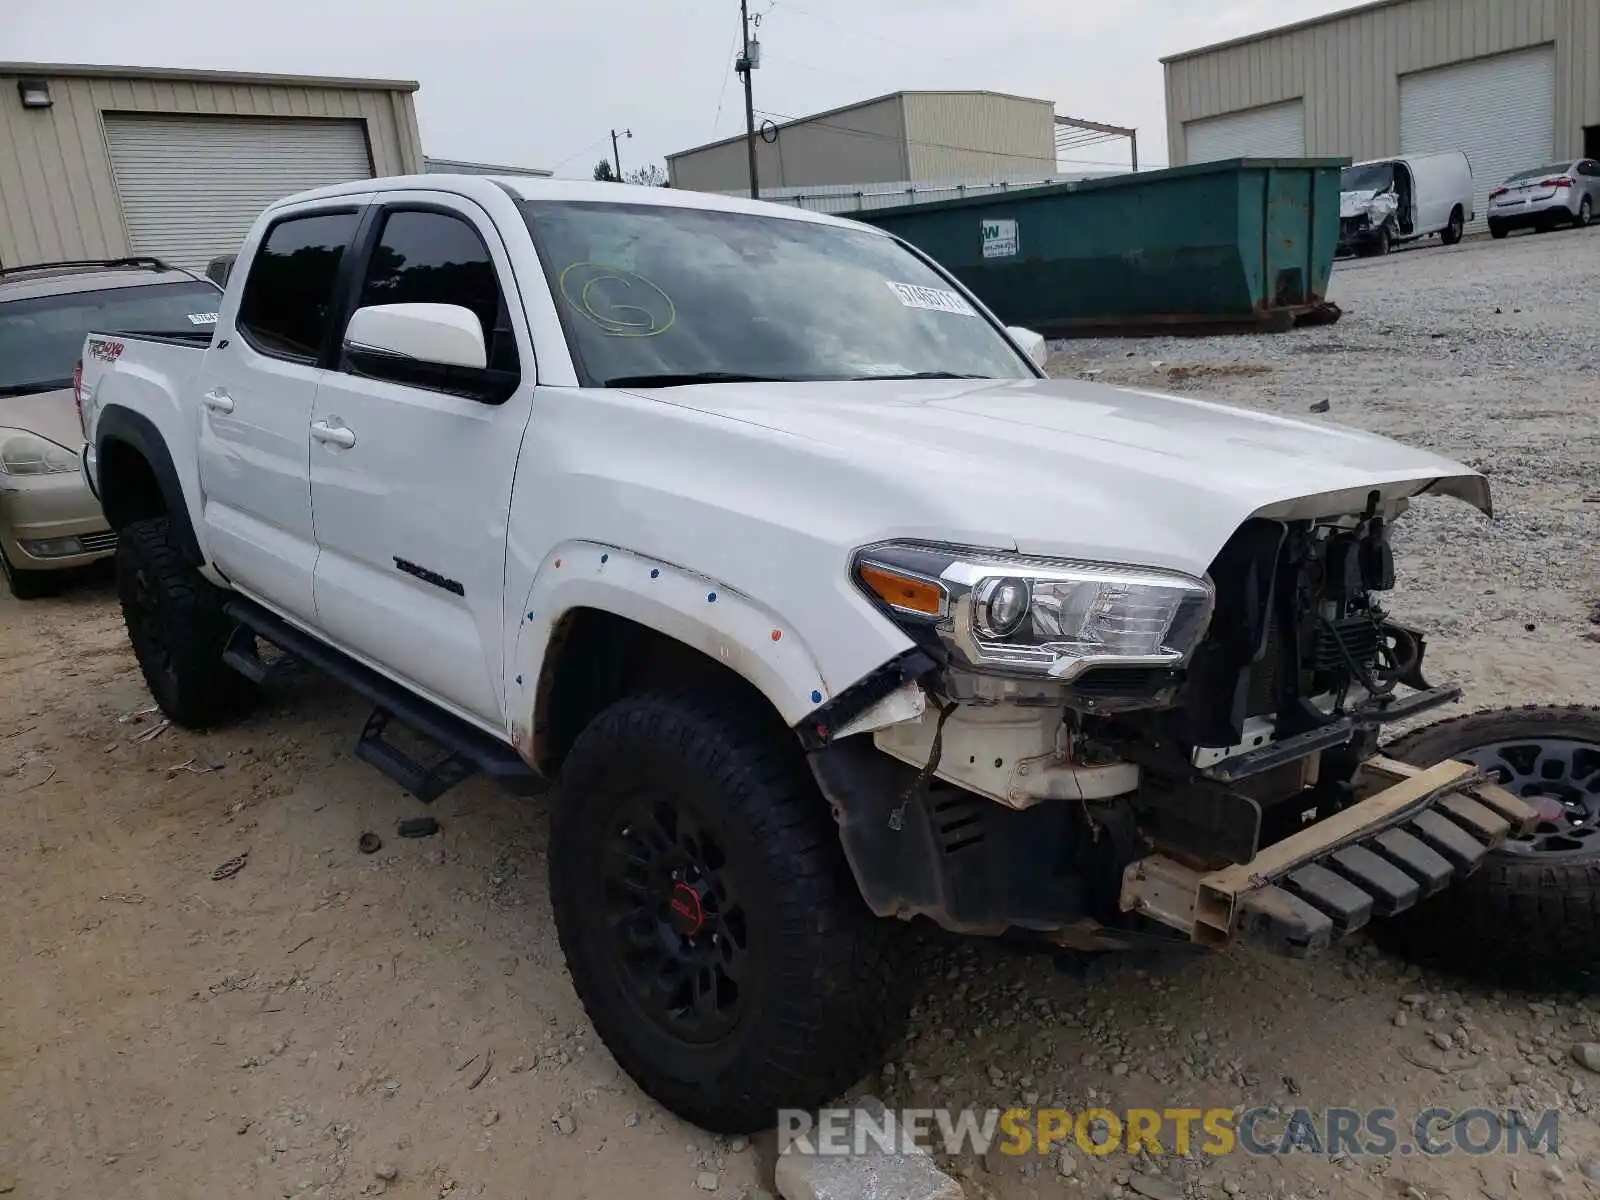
(1348, 69)
(965, 135)
(865, 144)
(57, 195)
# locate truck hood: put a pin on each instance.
(1353, 204)
(1064, 467)
(51, 415)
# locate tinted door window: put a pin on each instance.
(434, 258)
(289, 292)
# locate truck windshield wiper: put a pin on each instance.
(917, 375)
(691, 377)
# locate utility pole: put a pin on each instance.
(746, 66)
(616, 158)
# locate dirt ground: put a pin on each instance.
(325, 1023)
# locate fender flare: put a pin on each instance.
(728, 627)
(118, 424)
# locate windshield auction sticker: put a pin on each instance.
(933, 299)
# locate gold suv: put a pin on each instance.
(49, 520)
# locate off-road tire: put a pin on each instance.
(825, 999)
(1520, 919)
(27, 585)
(1452, 233)
(178, 629)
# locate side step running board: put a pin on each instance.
(468, 750)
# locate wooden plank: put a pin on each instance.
(1312, 841)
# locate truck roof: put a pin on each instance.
(576, 190)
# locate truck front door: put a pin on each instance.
(257, 383)
(411, 485)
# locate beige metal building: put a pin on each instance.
(905, 136)
(455, 166)
(100, 162)
(1514, 83)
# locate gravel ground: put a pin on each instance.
(329, 1024)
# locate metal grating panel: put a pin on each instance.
(191, 187)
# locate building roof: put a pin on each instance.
(456, 166)
(844, 108)
(183, 75)
(1308, 23)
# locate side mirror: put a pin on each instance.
(219, 268)
(1032, 344)
(445, 335)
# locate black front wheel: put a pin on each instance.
(1531, 914)
(713, 930)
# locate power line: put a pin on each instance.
(581, 150)
(858, 32)
(733, 44)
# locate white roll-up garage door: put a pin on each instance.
(1500, 110)
(1276, 131)
(192, 186)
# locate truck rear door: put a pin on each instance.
(257, 388)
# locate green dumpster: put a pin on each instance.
(1243, 243)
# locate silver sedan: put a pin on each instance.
(1565, 193)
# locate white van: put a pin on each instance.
(1390, 200)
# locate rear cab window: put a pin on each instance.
(288, 295)
(41, 337)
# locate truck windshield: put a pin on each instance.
(1374, 177)
(41, 337)
(652, 296)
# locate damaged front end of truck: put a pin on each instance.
(1109, 757)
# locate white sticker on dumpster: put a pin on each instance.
(934, 299)
(1000, 239)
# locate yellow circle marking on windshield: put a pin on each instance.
(639, 321)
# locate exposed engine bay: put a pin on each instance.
(1015, 802)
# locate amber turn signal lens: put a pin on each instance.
(903, 591)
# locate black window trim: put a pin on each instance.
(333, 210)
(347, 292)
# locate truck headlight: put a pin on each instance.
(1011, 614)
(29, 454)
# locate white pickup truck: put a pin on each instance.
(820, 604)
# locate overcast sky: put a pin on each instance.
(541, 83)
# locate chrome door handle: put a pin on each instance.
(333, 435)
(219, 400)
